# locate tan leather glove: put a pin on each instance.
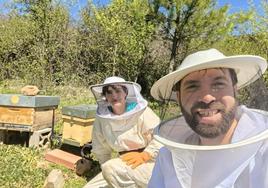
(136, 158)
(29, 90)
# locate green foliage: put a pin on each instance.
(137, 40)
(34, 43)
(190, 25)
(117, 38)
(251, 38)
(165, 111)
(14, 45)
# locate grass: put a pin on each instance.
(19, 167)
(26, 167)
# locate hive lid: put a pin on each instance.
(19, 100)
(81, 111)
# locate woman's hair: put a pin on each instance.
(113, 86)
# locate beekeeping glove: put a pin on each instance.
(136, 158)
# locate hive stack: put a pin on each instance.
(33, 114)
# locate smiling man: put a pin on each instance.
(207, 102)
(217, 142)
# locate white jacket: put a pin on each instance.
(241, 164)
(131, 133)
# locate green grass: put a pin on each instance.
(26, 167)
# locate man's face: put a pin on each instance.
(207, 100)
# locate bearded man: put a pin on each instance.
(217, 142)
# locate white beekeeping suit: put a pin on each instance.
(131, 131)
(191, 158)
(241, 164)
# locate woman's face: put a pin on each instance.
(116, 96)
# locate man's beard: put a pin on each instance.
(210, 130)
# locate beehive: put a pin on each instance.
(78, 123)
(29, 112)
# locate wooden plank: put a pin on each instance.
(15, 127)
(71, 142)
(43, 117)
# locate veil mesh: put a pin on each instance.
(194, 163)
(132, 96)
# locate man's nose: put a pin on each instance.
(206, 96)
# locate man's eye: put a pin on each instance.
(218, 85)
(109, 92)
(191, 88)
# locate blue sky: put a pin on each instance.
(235, 5)
(76, 5)
(238, 5)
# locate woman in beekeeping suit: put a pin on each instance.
(124, 125)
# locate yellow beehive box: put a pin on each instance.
(37, 118)
(78, 124)
(77, 129)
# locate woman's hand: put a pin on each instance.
(136, 158)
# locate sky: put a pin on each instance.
(238, 5)
(235, 5)
(76, 5)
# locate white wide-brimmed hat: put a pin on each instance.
(247, 67)
(113, 80)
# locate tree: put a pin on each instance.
(41, 48)
(190, 25)
(116, 37)
(15, 44)
(251, 38)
